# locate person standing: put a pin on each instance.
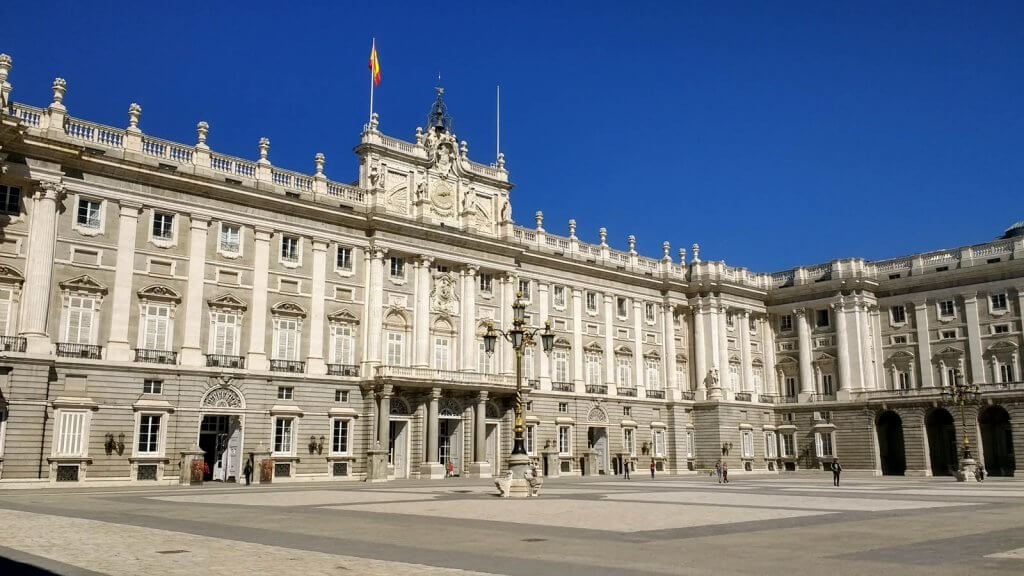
(248, 471)
(625, 468)
(836, 469)
(652, 467)
(725, 473)
(718, 471)
(449, 470)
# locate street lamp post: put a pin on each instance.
(962, 393)
(520, 337)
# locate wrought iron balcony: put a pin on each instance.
(12, 344)
(294, 366)
(655, 394)
(626, 392)
(597, 389)
(533, 384)
(688, 394)
(343, 369)
(68, 350)
(225, 361)
(742, 396)
(563, 386)
(156, 356)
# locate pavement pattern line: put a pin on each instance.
(100, 546)
(780, 501)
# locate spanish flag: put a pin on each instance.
(374, 64)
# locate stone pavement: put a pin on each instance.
(681, 525)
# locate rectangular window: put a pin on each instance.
(730, 320)
(788, 445)
(899, 339)
(790, 386)
(823, 318)
(343, 260)
(528, 363)
(5, 312)
(561, 360)
(286, 339)
(786, 323)
(486, 283)
(998, 301)
(1005, 373)
(484, 364)
(531, 439)
(563, 407)
(225, 333)
(565, 440)
(689, 443)
(558, 296)
(627, 410)
(152, 386)
(649, 312)
(771, 448)
(524, 289)
(653, 375)
(283, 436)
(1001, 329)
(163, 225)
(947, 309)
(397, 267)
(339, 436)
(826, 384)
(71, 434)
(341, 395)
(824, 444)
(10, 199)
(342, 344)
(681, 377)
(230, 238)
(284, 392)
(149, 434)
(156, 327)
(948, 334)
(748, 444)
(591, 302)
(903, 379)
(659, 443)
(621, 307)
(395, 349)
(623, 372)
(628, 443)
(88, 213)
(442, 353)
(593, 368)
(898, 314)
(289, 249)
(81, 313)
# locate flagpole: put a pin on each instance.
(373, 49)
(497, 137)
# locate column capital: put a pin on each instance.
(425, 260)
(510, 276)
(49, 190)
(263, 233)
(470, 269)
(970, 297)
(435, 393)
(387, 390)
(320, 244)
(799, 312)
(129, 209)
(577, 292)
(920, 304)
(481, 396)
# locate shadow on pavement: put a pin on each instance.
(8, 566)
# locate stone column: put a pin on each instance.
(669, 347)
(374, 309)
(508, 296)
(421, 313)
(39, 266)
(638, 345)
(191, 351)
(315, 357)
(924, 346)
(384, 416)
(748, 368)
(610, 375)
(577, 337)
(843, 344)
(723, 351)
(974, 339)
(771, 383)
(806, 370)
(256, 359)
(431, 467)
(699, 348)
(545, 359)
(874, 355)
(480, 467)
(118, 347)
(468, 337)
(1020, 306)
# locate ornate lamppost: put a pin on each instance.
(961, 392)
(520, 337)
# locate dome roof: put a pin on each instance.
(1014, 231)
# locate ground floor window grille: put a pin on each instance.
(339, 469)
(565, 440)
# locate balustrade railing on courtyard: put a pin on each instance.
(597, 389)
(563, 386)
(156, 356)
(12, 344)
(69, 350)
(343, 370)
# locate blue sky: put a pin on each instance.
(774, 134)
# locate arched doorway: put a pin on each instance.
(891, 448)
(997, 441)
(942, 442)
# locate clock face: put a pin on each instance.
(443, 196)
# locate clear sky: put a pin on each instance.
(775, 134)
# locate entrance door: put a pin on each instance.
(449, 443)
(213, 440)
(597, 438)
(398, 448)
(942, 446)
(493, 447)
(997, 441)
(890, 444)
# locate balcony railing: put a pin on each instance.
(742, 396)
(788, 399)
(68, 350)
(563, 386)
(660, 394)
(448, 376)
(688, 394)
(343, 369)
(818, 397)
(12, 344)
(597, 389)
(533, 384)
(767, 398)
(156, 356)
(626, 392)
(225, 361)
(294, 366)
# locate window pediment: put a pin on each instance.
(652, 355)
(227, 301)
(623, 351)
(950, 351)
(159, 292)
(823, 358)
(681, 357)
(288, 309)
(342, 317)
(562, 343)
(84, 283)
(1002, 346)
(593, 346)
(11, 275)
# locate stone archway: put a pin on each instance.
(891, 448)
(942, 447)
(997, 441)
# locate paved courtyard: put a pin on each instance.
(755, 525)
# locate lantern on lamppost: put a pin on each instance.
(961, 393)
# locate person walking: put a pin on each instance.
(449, 470)
(652, 467)
(836, 469)
(248, 471)
(625, 468)
(725, 473)
(718, 471)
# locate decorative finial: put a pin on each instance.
(603, 234)
(374, 122)
(682, 256)
(666, 248)
(572, 228)
(696, 252)
(464, 149)
(632, 244)
(419, 136)
(501, 160)
(539, 217)
(60, 87)
(134, 113)
(5, 87)
(264, 149)
(319, 160)
(202, 131)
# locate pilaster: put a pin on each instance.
(545, 359)
(924, 346)
(118, 348)
(638, 344)
(191, 352)
(843, 385)
(315, 358)
(610, 374)
(699, 351)
(480, 467)
(39, 266)
(974, 338)
(468, 321)
(577, 337)
(806, 370)
(421, 312)
(669, 345)
(748, 369)
(256, 359)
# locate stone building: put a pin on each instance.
(158, 297)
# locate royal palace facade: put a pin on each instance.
(161, 301)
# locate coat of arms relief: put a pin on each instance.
(444, 297)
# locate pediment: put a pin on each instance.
(563, 343)
(786, 360)
(652, 354)
(1002, 346)
(288, 309)
(83, 283)
(901, 355)
(950, 351)
(343, 316)
(11, 275)
(228, 301)
(593, 346)
(823, 357)
(681, 357)
(734, 359)
(624, 350)
(756, 362)
(159, 292)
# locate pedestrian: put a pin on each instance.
(836, 469)
(449, 470)
(652, 467)
(718, 471)
(625, 468)
(248, 471)
(979, 473)
(725, 473)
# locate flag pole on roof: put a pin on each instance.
(374, 73)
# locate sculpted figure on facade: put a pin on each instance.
(711, 380)
(444, 298)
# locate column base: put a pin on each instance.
(119, 352)
(431, 470)
(191, 357)
(804, 397)
(714, 394)
(968, 466)
(38, 344)
(316, 366)
(519, 488)
(843, 394)
(256, 361)
(376, 465)
(479, 470)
